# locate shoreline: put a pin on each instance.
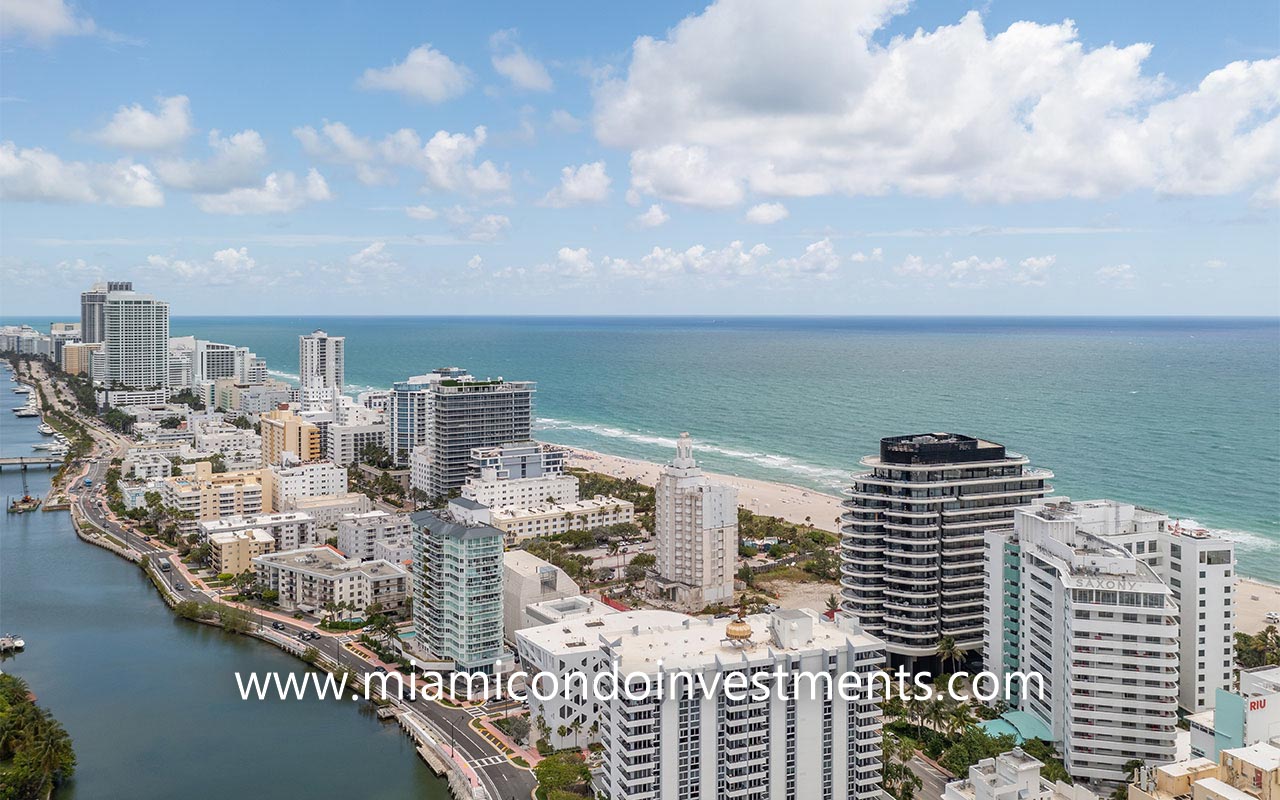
(792, 503)
(1254, 597)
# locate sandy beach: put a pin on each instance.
(792, 503)
(797, 504)
(1253, 600)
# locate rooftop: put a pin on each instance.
(938, 448)
(698, 643)
(329, 562)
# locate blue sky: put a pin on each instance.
(825, 156)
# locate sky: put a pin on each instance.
(745, 157)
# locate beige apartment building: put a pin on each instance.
(284, 431)
(205, 495)
(1241, 773)
(234, 551)
(76, 357)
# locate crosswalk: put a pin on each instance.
(487, 761)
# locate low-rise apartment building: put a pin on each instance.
(204, 495)
(233, 551)
(310, 578)
(289, 529)
(358, 533)
(547, 519)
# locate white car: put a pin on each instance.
(1273, 617)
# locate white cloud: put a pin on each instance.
(513, 63)
(801, 99)
(488, 228)
(421, 212)
(425, 74)
(237, 161)
(226, 267)
(42, 20)
(280, 193)
(685, 175)
(1033, 271)
(135, 128)
(447, 161)
(475, 263)
(336, 144)
(876, 254)
(1120, 275)
(1215, 263)
(565, 122)
(767, 213)
(652, 218)
(38, 175)
(574, 263)
(974, 271)
(733, 260)
(481, 228)
(587, 183)
(819, 260)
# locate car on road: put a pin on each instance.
(179, 587)
(278, 626)
(379, 669)
(146, 538)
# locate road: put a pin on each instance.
(504, 780)
(933, 782)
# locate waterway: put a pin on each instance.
(151, 701)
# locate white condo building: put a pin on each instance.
(519, 475)
(457, 586)
(695, 534)
(290, 530)
(357, 533)
(93, 327)
(409, 415)
(354, 428)
(912, 528)
(135, 345)
(321, 361)
(460, 413)
(282, 485)
(1101, 628)
(795, 744)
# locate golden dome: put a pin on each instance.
(738, 630)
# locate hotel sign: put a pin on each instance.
(1112, 584)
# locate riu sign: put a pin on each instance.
(1258, 705)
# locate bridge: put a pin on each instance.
(22, 462)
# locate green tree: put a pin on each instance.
(562, 772)
(948, 652)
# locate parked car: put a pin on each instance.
(1273, 617)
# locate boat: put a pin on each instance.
(45, 429)
(12, 641)
(27, 411)
(22, 388)
(24, 504)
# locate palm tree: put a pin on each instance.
(330, 611)
(948, 652)
(915, 711)
(576, 727)
(958, 719)
(935, 712)
(833, 604)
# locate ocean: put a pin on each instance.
(1182, 415)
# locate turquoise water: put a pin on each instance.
(1178, 414)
